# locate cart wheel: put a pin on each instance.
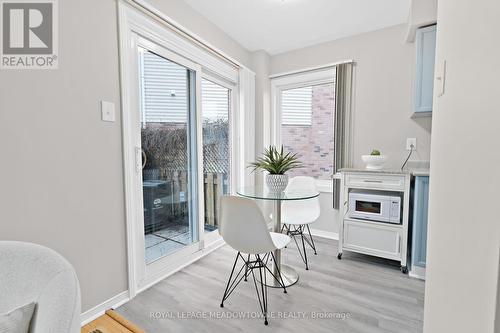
(404, 269)
(339, 256)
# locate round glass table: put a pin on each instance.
(289, 275)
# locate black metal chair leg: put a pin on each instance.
(246, 267)
(287, 230)
(279, 274)
(312, 240)
(229, 280)
(263, 288)
(263, 293)
(304, 246)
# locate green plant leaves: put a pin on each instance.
(276, 162)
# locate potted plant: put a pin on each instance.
(374, 161)
(276, 163)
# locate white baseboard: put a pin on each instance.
(124, 296)
(314, 232)
(325, 234)
(99, 310)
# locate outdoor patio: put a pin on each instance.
(168, 240)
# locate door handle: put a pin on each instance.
(138, 159)
(372, 181)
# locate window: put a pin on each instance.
(297, 106)
(164, 90)
(307, 128)
(215, 108)
(215, 101)
(303, 121)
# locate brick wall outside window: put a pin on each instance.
(314, 143)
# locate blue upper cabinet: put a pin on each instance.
(424, 79)
(420, 211)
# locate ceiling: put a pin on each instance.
(278, 26)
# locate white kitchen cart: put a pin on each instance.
(385, 240)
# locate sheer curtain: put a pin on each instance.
(343, 103)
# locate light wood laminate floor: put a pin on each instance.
(358, 294)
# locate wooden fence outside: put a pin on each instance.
(216, 184)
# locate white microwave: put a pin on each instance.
(375, 207)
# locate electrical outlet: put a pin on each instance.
(410, 142)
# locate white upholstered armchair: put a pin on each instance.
(33, 273)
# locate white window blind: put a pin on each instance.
(215, 101)
(296, 106)
(165, 93)
(164, 90)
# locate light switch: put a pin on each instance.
(441, 79)
(107, 111)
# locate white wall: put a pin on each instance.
(260, 62)
(497, 315)
(61, 172)
(329, 218)
(422, 13)
(182, 13)
(463, 233)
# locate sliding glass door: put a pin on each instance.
(170, 158)
(166, 124)
(168, 136)
(178, 101)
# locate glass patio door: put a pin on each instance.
(169, 153)
(180, 102)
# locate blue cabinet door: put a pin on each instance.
(420, 210)
(424, 79)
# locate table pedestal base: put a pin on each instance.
(288, 274)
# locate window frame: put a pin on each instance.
(233, 120)
(291, 81)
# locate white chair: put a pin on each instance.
(243, 227)
(296, 215)
(33, 273)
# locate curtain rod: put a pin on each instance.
(310, 69)
(151, 11)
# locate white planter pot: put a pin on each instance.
(276, 183)
(374, 162)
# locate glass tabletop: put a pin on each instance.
(255, 192)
